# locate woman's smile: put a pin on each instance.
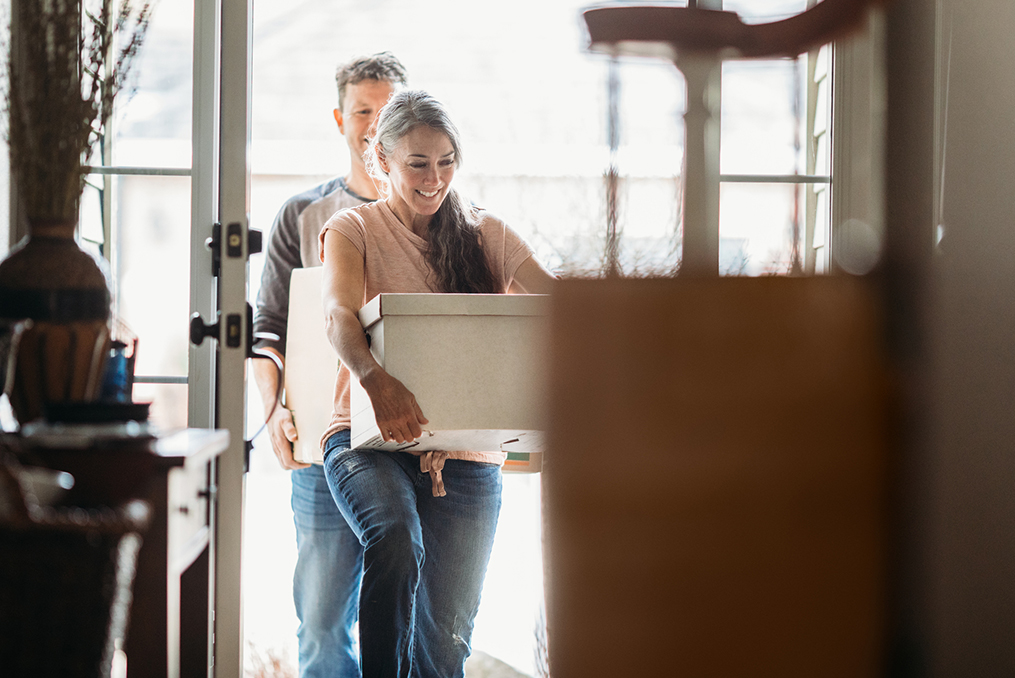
(420, 169)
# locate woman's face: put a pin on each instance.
(420, 168)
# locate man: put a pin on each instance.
(329, 562)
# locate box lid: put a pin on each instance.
(452, 304)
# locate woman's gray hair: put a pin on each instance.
(405, 111)
(455, 253)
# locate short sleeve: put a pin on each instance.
(349, 223)
(505, 250)
(516, 252)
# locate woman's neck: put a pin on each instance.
(417, 223)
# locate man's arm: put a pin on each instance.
(281, 257)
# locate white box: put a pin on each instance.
(475, 363)
(311, 364)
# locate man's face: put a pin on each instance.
(356, 120)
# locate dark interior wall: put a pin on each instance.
(950, 162)
(951, 94)
(972, 537)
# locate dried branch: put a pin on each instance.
(65, 67)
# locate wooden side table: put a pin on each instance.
(170, 630)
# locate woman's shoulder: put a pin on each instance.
(355, 217)
(501, 242)
(486, 220)
(493, 227)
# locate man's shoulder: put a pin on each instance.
(307, 197)
(332, 191)
(328, 202)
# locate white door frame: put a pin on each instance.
(217, 376)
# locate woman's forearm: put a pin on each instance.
(348, 339)
(398, 415)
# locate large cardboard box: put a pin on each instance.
(476, 364)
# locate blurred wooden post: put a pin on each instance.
(715, 482)
(700, 249)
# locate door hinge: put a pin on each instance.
(234, 244)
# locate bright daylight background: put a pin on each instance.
(531, 105)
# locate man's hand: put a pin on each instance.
(279, 420)
(282, 432)
(398, 415)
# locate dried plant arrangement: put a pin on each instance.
(67, 62)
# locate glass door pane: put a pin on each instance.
(145, 214)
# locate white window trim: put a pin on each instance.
(859, 118)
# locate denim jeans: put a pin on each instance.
(424, 557)
(326, 583)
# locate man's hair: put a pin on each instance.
(383, 66)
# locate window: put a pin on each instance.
(775, 156)
(136, 212)
(774, 164)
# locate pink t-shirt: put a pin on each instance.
(393, 261)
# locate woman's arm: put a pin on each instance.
(398, 415)
(532, 278)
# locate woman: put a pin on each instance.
(426, 541)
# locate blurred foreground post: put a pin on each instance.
(715, 485)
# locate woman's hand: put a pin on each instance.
(398, 415)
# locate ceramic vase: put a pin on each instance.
(56, 297)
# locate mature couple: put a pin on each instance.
(379, 543)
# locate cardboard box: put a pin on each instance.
(311, 364)
(475, 363)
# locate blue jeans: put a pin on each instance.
(327, 579)
(424, 557)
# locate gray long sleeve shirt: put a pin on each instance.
(293, 243)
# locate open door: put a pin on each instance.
(220, 215)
